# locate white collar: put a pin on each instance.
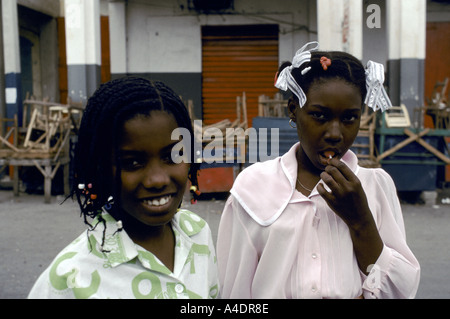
(264, 189)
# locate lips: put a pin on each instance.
(327, 155)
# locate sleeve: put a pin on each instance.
(396, 273)
(44, 288)
(213, 277)
(40, 289)
(236, 255)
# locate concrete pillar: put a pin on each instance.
(2, 77)
(13, 88)
(406, 23)
(339, 26)
(83, 43)
(118, 40)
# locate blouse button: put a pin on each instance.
(179, 288)
(314, 256)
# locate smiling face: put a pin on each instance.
(152, 185)
(328, 123)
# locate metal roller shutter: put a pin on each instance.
(237, 59)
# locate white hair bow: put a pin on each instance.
(285, 79)
(376, 97)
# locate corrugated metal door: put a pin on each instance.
(437, 67)
(237, 59)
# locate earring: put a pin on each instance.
(290, 123)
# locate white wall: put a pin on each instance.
(340, 25)
(167, 37)
(406, 26)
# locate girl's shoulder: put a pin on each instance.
(373, 172)
(259, 172)
(375, 177)
(190, 223)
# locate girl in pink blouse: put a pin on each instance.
(312, 223)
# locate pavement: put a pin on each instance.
(32, 233)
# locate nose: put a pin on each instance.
(333, 133)
(155, 176)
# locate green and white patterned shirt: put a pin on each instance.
(127, 271)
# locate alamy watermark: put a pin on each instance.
(224, 147)
(373, 21)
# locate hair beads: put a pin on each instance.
(195, 194)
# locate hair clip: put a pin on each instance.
(306, 70)
(326, 62)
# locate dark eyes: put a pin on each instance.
(350, 118)
(131, 164)
(324, 117)
(318, 116)
(136, 162)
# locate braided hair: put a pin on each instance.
(343, 66)
(111, 105)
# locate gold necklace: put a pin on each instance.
(309, 190)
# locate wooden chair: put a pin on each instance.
(364, 145)
(276, 107)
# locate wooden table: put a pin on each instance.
(47, 166)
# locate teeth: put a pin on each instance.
(158, 202)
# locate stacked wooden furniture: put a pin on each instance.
(233, 152)
(272, 107)
(438, 106)
(42, 142)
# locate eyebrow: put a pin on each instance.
(325, 108)
(133, 151)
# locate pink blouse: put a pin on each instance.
(274, 242)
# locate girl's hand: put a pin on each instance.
(348, 200)
(347, 197)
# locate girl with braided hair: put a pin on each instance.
(313, 223)
(129, 186)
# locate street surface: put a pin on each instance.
(32, 233)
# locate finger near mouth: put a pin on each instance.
(326, 157)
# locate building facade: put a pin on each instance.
(212, 51)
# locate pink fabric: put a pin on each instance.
(274, 242)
